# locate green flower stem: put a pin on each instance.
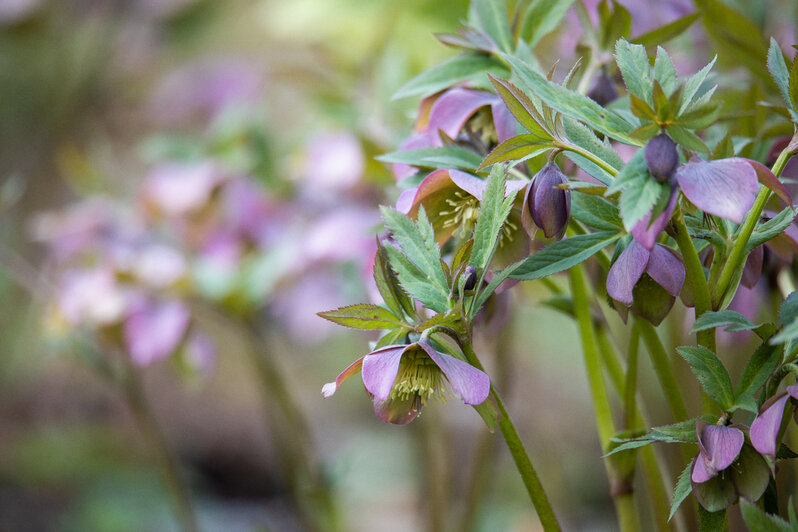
(663, 369)
(167, 466)
(528, 474)
(695, 276)
(630, 385)
(311, 490)
(598, 161)
(736, 259)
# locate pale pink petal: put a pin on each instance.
(468, 383)
(626, 271)
(725, 188)
(765, 428)
(380, 368)
(666, 269)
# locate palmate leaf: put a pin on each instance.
(581, 136)
(445, 74)
(363, 316)
(493, 211)
(633, 63)
(523, 109)
(710, 373)
(417, 283)
(571, 103)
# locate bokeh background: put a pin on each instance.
(184, 182)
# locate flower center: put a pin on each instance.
(462, 215)
(419, 377)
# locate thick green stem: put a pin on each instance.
(736, 259)
(630, 385)
(167, 466)
(663, 369)
(528, 474)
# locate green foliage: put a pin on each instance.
(540, 18)
(667, 32)
(595, 212)
(710, 373)
(681, 490)
(563, 255)
(493, 211)
(733, 321)
(758, 521)
(450, 72)
(363, 316)
(490, 16)
(437, 158)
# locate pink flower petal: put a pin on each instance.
(153, 331)
(468, 383)
(645, 233)
(626, 271)
(453, 109)
(725, 188)
(380, 368)
(765, 428)
(666, 269)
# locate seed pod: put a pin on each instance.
(549, 205)
(661, 157)
(603, 90)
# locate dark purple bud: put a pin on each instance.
(661, 157)
(549, 205)
(470, 278)
(603, 90)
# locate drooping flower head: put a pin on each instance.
(402, 378)
(766, 427)
(718, 447)
(546, 203)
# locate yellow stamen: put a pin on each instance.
(418, 377)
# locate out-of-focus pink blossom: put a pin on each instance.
(334, 161)
(154, 330)
(342, 235)
(13, 11)
(204, 88)
(177, 189)
(247, 210)
(75, 228)
(200, 351)
(159, 266)
(91, 297)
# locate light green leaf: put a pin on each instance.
(756, 519)
(710, 373)
(518, 148)
(633, 63)
(693, 84)
(449, 72)
(491, 17)
(667, 32)
(417, 242)
(582, 136)
(638, 199)
(563, 254)
(664, 71)
(493, 211)
(417, 283)
(733, 321)
(522, 108)
(571, 103)
(363, 316)
(388, 285)
(779, 72)
(541, 17)
(443, 157)
(633, 170)
(772, 228)
(682, 490)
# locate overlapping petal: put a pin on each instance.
(718, 446)
(468, 383)
(765, 428)
(626, 271)
(380, 368)
(725, 188)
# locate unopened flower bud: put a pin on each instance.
(603, 90)
(549, 205)
(661, 157)
(470, 278)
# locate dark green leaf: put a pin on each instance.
(447, 73)
(772, 228)
(638, 198)
(715, 520)
(700, 117)
(794, 87)
(759, 521)
(541, 17)
(641, 109)
(710, 373)
(779, 72)
(733, 321)
(563, 254)
(760, 367)
(686, 138)
(363, 316)
(515, 149)
(571, 103)
(667, 32)
(417, 283)
(682, 490)
(633, 170)
(788, 312)
(580, 135)
(388, 285)
(595, 212)
(747, 402)
(522, 108)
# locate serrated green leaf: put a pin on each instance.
(613, 24)
(448, 73)
(589, 167)
(580, 135)
(638, 198)
(747, 402)
(633, 170)
(681, 432)
(491, 17)
(388, 285)
(443, 157)
(522, 108)
(571, 103)
(563, 254)
(516, 149)
(635, 68)
(417, 283)
(493, 211)
(392, 337)
(686, 138)
(664, 71)
(667, 32)
(763, 362)
(541, 17)
(700, 117)
(682, 490)
(363, 316)
(794, 87)
(779, 72)
(787, 334)
(595, 212)
(733, 321)
(641, 109)
(759, 521)
(710, 373)
(772, 228)
(693, 84)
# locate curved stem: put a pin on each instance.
(528, 474)
(736, 258)
(598, 161)
(167, 466)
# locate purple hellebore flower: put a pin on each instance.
(154, 330)
(718, 447)
(765, 428)
(401, 378)
(548, 205)
(661, 264)
(725, 187)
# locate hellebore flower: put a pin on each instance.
(718, 446)
(451, 200)
(726, 468)
(547, 204)
(603, 90)
(646, 281)
(725, 187)
(401, 378)
(766, 426)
